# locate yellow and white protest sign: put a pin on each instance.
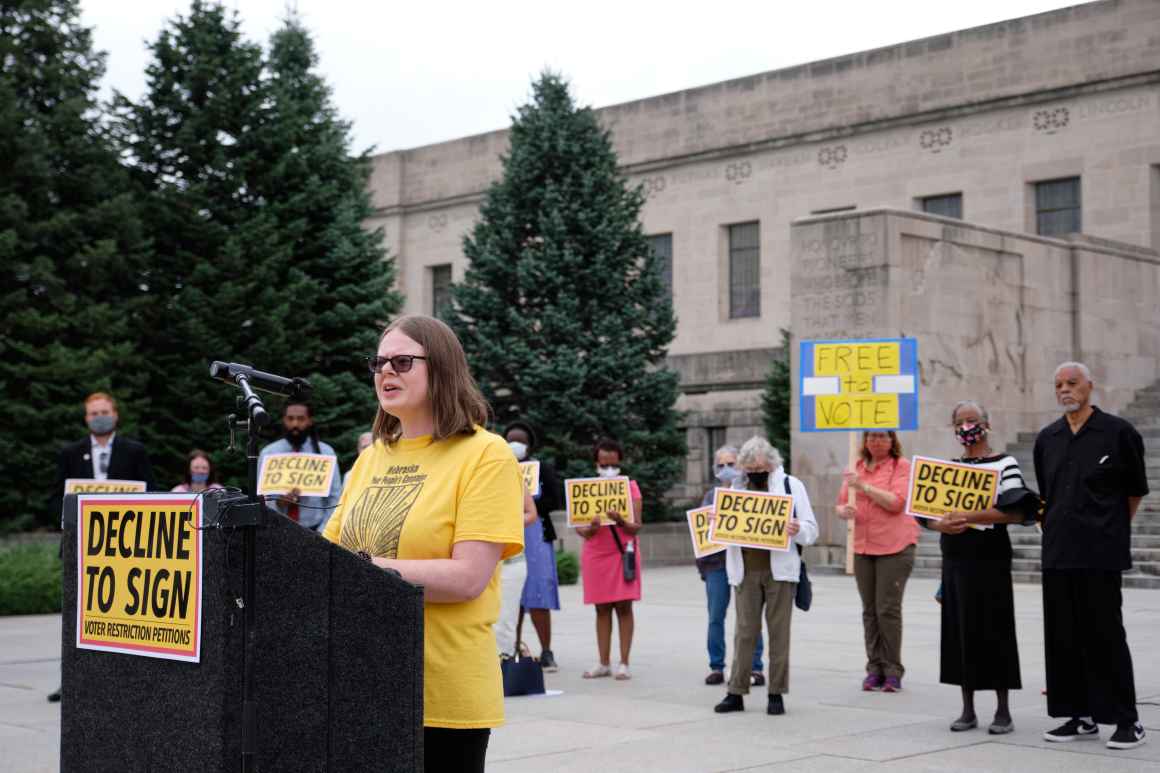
(937, 488)
(107, 486)
(139, 575)
(531, 473)
(311, 474)
(589, 499)
(699, 522)
(751, 519)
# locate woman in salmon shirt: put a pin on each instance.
(884, 545)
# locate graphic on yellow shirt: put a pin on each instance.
(376, 520)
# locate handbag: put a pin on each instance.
(804, 596)
(627, 557)
(522, 674)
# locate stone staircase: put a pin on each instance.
(1144, 413)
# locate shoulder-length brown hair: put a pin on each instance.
(457, 406)
(895, 446)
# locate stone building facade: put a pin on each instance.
(1025, 131)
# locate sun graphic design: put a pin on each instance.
(376, 521)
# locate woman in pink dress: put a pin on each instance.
(602, 568)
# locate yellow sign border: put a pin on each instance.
(912, 482)
(690, 516)
(264, 490)
(604, 520)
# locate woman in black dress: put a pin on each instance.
(979, 651)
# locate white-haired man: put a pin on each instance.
(1090, 468)
(766, 579)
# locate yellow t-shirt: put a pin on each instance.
(415, 500)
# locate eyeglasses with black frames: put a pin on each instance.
(400, 363)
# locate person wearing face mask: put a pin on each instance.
(884, 546)
(716, 579)
(300, 436)
(200, 474)
(103, 455)
(978, 648)
(602, 568)
(541, 590)
(766, 580)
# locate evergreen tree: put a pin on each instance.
(316, 193)
(256, 205)
(71, 252)
(775, 400)
(562, 310)
(213, 292)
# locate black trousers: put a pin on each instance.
(454, 751)
(1089, 666)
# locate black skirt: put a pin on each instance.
(978, 649)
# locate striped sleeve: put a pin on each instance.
(1010, 476)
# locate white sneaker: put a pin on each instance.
(622, 672)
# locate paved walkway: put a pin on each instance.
(662, 720)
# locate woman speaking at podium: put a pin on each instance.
(440, 500)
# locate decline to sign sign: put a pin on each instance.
(531, 473)
(859, 385)
(751, 519)
(311, 474)
(700, 521)
(590, 499)
(139, 575)
(938, 488)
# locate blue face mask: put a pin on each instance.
(198, 477)
(727, 474)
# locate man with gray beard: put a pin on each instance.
(1090, 467)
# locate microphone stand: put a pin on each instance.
(249, 513)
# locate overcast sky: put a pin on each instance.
(413, 73)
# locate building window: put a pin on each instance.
(440, 289)
(950, 205)
(716, 440)
(1057, 207)
(662, 247)
(744, 270)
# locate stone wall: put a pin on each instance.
(994, 312)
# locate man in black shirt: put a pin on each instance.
(1090, 467)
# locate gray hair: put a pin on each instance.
(725, 450)
(983, 415)
(1077, 366)
(758, 449)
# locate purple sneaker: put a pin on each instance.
(872, 683)
(893, 684)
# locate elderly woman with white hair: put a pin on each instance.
(766, 580)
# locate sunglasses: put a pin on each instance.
(400, 363)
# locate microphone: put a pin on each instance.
(267, 382)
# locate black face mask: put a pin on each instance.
(757, 481)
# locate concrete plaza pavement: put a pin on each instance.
(662, 719)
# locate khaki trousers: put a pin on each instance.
(881, 583)
(757, 590)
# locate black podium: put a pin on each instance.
(337, 664)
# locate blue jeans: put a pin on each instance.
(717, 591)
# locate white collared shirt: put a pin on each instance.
(96, 452)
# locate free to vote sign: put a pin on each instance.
(859, 385)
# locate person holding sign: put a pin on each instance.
(716, 579)
(979, 650)
(541, 592)
(200, 474)
(602, 567)
(439, 499)
(298, 424)
(1091, 467)
(100, 456)
(884, 545)
(766, 579)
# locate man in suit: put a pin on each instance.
(101, 456)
